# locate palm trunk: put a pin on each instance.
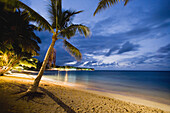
(9, 67)
(35, 85)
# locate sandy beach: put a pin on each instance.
(66, 99)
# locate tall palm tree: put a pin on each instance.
(61, 28)
(103, 4)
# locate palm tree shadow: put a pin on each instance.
(58, 101)
(27, 96)
(22, 89)
(31, 96)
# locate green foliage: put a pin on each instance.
(72, 50)
(32, 62)
(12, 5)
(71, 30)
(17, 35)
(18, 42)
(34, 16)
(6, 58)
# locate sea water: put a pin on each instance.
(155, 84)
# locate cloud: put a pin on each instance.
(126, 47)
(164, 49)
(164, 11)
(98, 64)
(71, 63)
(113, 49)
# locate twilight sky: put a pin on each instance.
(135, 37)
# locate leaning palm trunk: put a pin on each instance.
(9, 66)
(35, 85)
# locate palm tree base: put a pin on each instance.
(31, 95)
(32, 89)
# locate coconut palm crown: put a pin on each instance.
(61, 25)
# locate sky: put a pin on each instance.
(134, 37)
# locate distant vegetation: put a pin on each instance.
(71, 68)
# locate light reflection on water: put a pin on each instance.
(66, 77)
(72, 78)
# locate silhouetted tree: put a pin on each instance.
(18, 39)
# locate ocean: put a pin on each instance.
(154, 85)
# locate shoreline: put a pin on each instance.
(113, 95)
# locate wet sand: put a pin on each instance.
(66, 99)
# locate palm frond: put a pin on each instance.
(35, 37)
(71, 30)
(68, 13)
(42, 22)
(66, 18)
(73, 51)
(9, 5)
(53, 12)
(103, 4)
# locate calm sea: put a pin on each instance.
(151, 84)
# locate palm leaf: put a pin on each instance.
(66, 18)
(73, 51)
(36, 17)
(58, 18)
(71, 30)
(53, 12)
(33, 14)
(9, 5)
(103, 4)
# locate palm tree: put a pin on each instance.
(103, 4)
(61, 28)
(17, 38)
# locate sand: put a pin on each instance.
(64, 99)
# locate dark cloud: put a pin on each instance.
(112, 50)
(159, 61)
(138, 31)
(164, 49)
(126, 47)
(163, 12)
